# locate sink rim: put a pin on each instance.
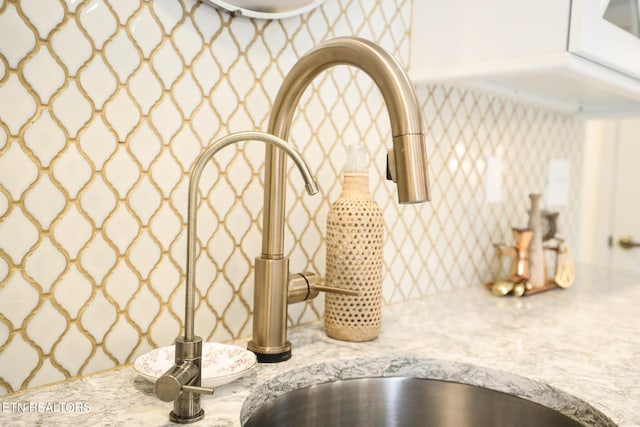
(420, 367)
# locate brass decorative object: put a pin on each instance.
(520, 270)
(517, 283)
(565, 271)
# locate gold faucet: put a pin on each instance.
(407, 166)
(181, 383)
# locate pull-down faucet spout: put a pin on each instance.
(407, 163)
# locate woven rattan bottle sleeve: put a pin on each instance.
(354, 261)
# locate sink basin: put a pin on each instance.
(411, 391)
(402, 401)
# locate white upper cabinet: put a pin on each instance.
(580, 56)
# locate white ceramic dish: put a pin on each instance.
(221, 363)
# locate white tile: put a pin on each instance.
(98, 316)
(4, 331)
(45, 264)
(145, 145)
(3, 138)
(206, 71)
(44, 138)
(97, 142)
(187, 94)
(124, 9)
(224, 51)
(46, 326)
(205, 320)
(44, 74)
(99, 361)
(17, 360)
(44, 201)
(241, 77)
(72, 231)
(22, 107)
(17, 298)
(17, 171)
(223, 198)
(72, 351)
(164, 329)
(146, 32)
(98, 200)
(72, 4)
(72, 291)
(71, 45)
(121, 284)
(166, 119)
(46, 374)
(122, 113)
(122, 55)
(98, 22)
(205, 123)
(167, 64)
(44, 16)
(236, 313)
(144, 200)
(121, 228)
(165, 278)
(206, 20)
(145, 88)
(72, 109)
(121, 340)
(72, 171)
(18, 235)
(188, 41)
(224, 100)
(121, 171)
(274, 38)
(97, 258)
(98, 81)
(16, 38)
(144, 308)
(186, 148)
(167, 174)
(168, 12)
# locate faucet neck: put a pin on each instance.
(397, 90)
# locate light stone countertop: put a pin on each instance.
(573, 350)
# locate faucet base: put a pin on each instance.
(270, 354)
(273, 358)
(186, 420)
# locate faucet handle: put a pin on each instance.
(169, 386)
(335, 290)
(391, 166)
(306, 286)
(197, 389)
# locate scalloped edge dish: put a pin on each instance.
(221, 363)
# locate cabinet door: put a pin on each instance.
(607, 32)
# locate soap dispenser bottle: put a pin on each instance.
(354, 255)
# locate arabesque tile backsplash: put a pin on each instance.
(105, 104)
